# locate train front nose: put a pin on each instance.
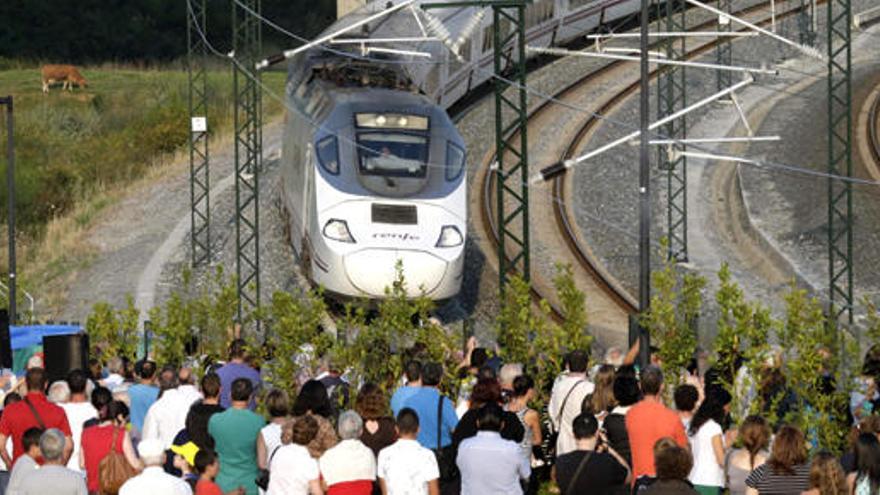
(372, 270)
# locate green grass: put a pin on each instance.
(76, 152)
(71, 145)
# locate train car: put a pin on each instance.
(373, 168)
(372, 176)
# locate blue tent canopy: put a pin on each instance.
(31, 335)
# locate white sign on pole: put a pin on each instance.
(199, 124)
(723, 20)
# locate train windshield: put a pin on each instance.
(393, 154)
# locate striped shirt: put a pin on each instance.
(768, 482)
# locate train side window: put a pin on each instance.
(328, 154)
(455, 159)
(488, 38)
(454, 65)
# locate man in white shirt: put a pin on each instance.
(568, 394)
(78, 410)
(350, 462)
(167, 416)
(489, 464)
(153, 480)
(405, 467)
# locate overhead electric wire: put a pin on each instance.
(611, 225)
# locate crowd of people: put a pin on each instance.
(607, 429)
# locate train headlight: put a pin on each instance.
(450, 236)
(338, 231)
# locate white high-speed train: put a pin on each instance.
(374, 175)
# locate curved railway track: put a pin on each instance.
(604, 292)
(874, 128)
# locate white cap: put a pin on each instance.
(150, 448)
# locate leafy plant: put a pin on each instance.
(111, 332)
(675, 306)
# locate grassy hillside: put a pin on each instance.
(76, 151)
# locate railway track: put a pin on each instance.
(609, 303)
(873, 129)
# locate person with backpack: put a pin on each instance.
(34, 410)
(568, 394)
(594, 467)
(99, 441)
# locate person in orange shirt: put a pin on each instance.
(649, 421)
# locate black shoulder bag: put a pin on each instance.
(36, 414)
(262, 479)
(445, 455)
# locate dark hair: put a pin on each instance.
(578, 361)
(868, 459)
(237, 349)
(31, 438)
(76, 381)
(407, 421)
(789, 450)
(413, 370)
(211, 385)
(479, 357)
(485, 392)
(167, 379)
(313, 398)
(241, 389)
(671, 461)
(277, 403)
(204, 458)
(36, 379)
(584, 426)
(148, 369)
(116, 409)
(371, 402)
(652, 380)
(490, 417)
(522, 384)
(755, 435)
(11, 398)
(626, 390)
(303, 430)
(712, 408)
(486, 372)
(101, 398)
(871, 364)
(431, 374)
(686, 397)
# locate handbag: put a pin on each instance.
(262, 479)
(445, 455)
(553, 435)
(114, 469)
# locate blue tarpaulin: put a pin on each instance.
(31, 335)
(28, 340)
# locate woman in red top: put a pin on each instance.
(207, 466)
(96, 442)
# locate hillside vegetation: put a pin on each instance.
(75, 151)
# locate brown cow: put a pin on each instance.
(66, 74)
